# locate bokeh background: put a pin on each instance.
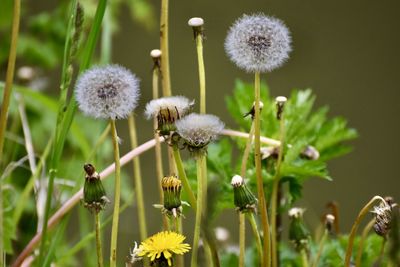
(346, 51)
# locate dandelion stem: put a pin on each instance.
(178, 228)
(242, 238)
(357, 222)
(199, 211)
(183, 177)
(117, 196)
(166, 80)
(202, 74)
(364, 235)
(274, 196)
(304, 258)
(137, 179)
(260, 185)
(320, 248)
(4, 107)
(256, 234)
(246, 152)
(98, 240)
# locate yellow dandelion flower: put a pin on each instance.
(163, 245)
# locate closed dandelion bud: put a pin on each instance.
(198, 130)
(171, 187)
(244, 199)
(383, 218)
(298, 233)
(280, 105)
(168, 110)
(258, 43)
(108, 92)
(94, 195)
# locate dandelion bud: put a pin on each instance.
(109, 92)
(252, 111)
(197, 131)
(280, 105)
(383, 218)
(171, 187)
(156, 56)
(258, 43)
(168, 110)
(310, 153)
(298, 233)
(94, 195)
(243, 198)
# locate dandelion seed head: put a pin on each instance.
(198, 130)
(107, 92)
(177, 106)
(258, 43)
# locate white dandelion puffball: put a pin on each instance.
(258, 43)
(107, 92)
(198, 130)
(177, 106)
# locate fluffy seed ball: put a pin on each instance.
(198, 130)
(108, 92)
(258, 43)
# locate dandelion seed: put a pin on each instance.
(109, 92)
(258, 43)
(198, 131)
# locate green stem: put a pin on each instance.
(166, 80)
(117, 196)
(242, 238)
(202, 74)
(274, 196)
(137, 179)
(304, 258)
(4, 107)
(364, 235)
(98, 240)
(246, 152)
(178, 228)
(320, 248)
(199, 210)
(260, 184)
(106, 38)
(257, 236)
(357, 222)
(183, 177)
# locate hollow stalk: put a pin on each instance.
(98, 241)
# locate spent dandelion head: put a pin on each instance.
(258, 43)
(244, 199)
(94, 195)
(198, 130)
(107, 92)
(161, 247)
(167, 110)
(383, 218)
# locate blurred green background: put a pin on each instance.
(346, 51)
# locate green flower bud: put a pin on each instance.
(298, 233)
(243, 198)
(171, 187)
(94, 195)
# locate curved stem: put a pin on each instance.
(242, 238)
(98, 240)
(364, 235)
(117, 196)
(304, 258)
(274, 196)
(257, 236)
(199, 211)
(202, 74)
(166, 80)
(183, 177)
(260, 184)
(137, 175)
(246, 152)
(320, 248)
(357, 222)
(264, 140)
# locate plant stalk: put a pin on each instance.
(202, 74)
(242, 238)
(320, 248)
(364, 235)
(357, 222)
(274, 196)
(260, 184)
(117, 196)
(257, 236)
(304, 258)
(166, 79)
(137, 179)
(98, 241)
